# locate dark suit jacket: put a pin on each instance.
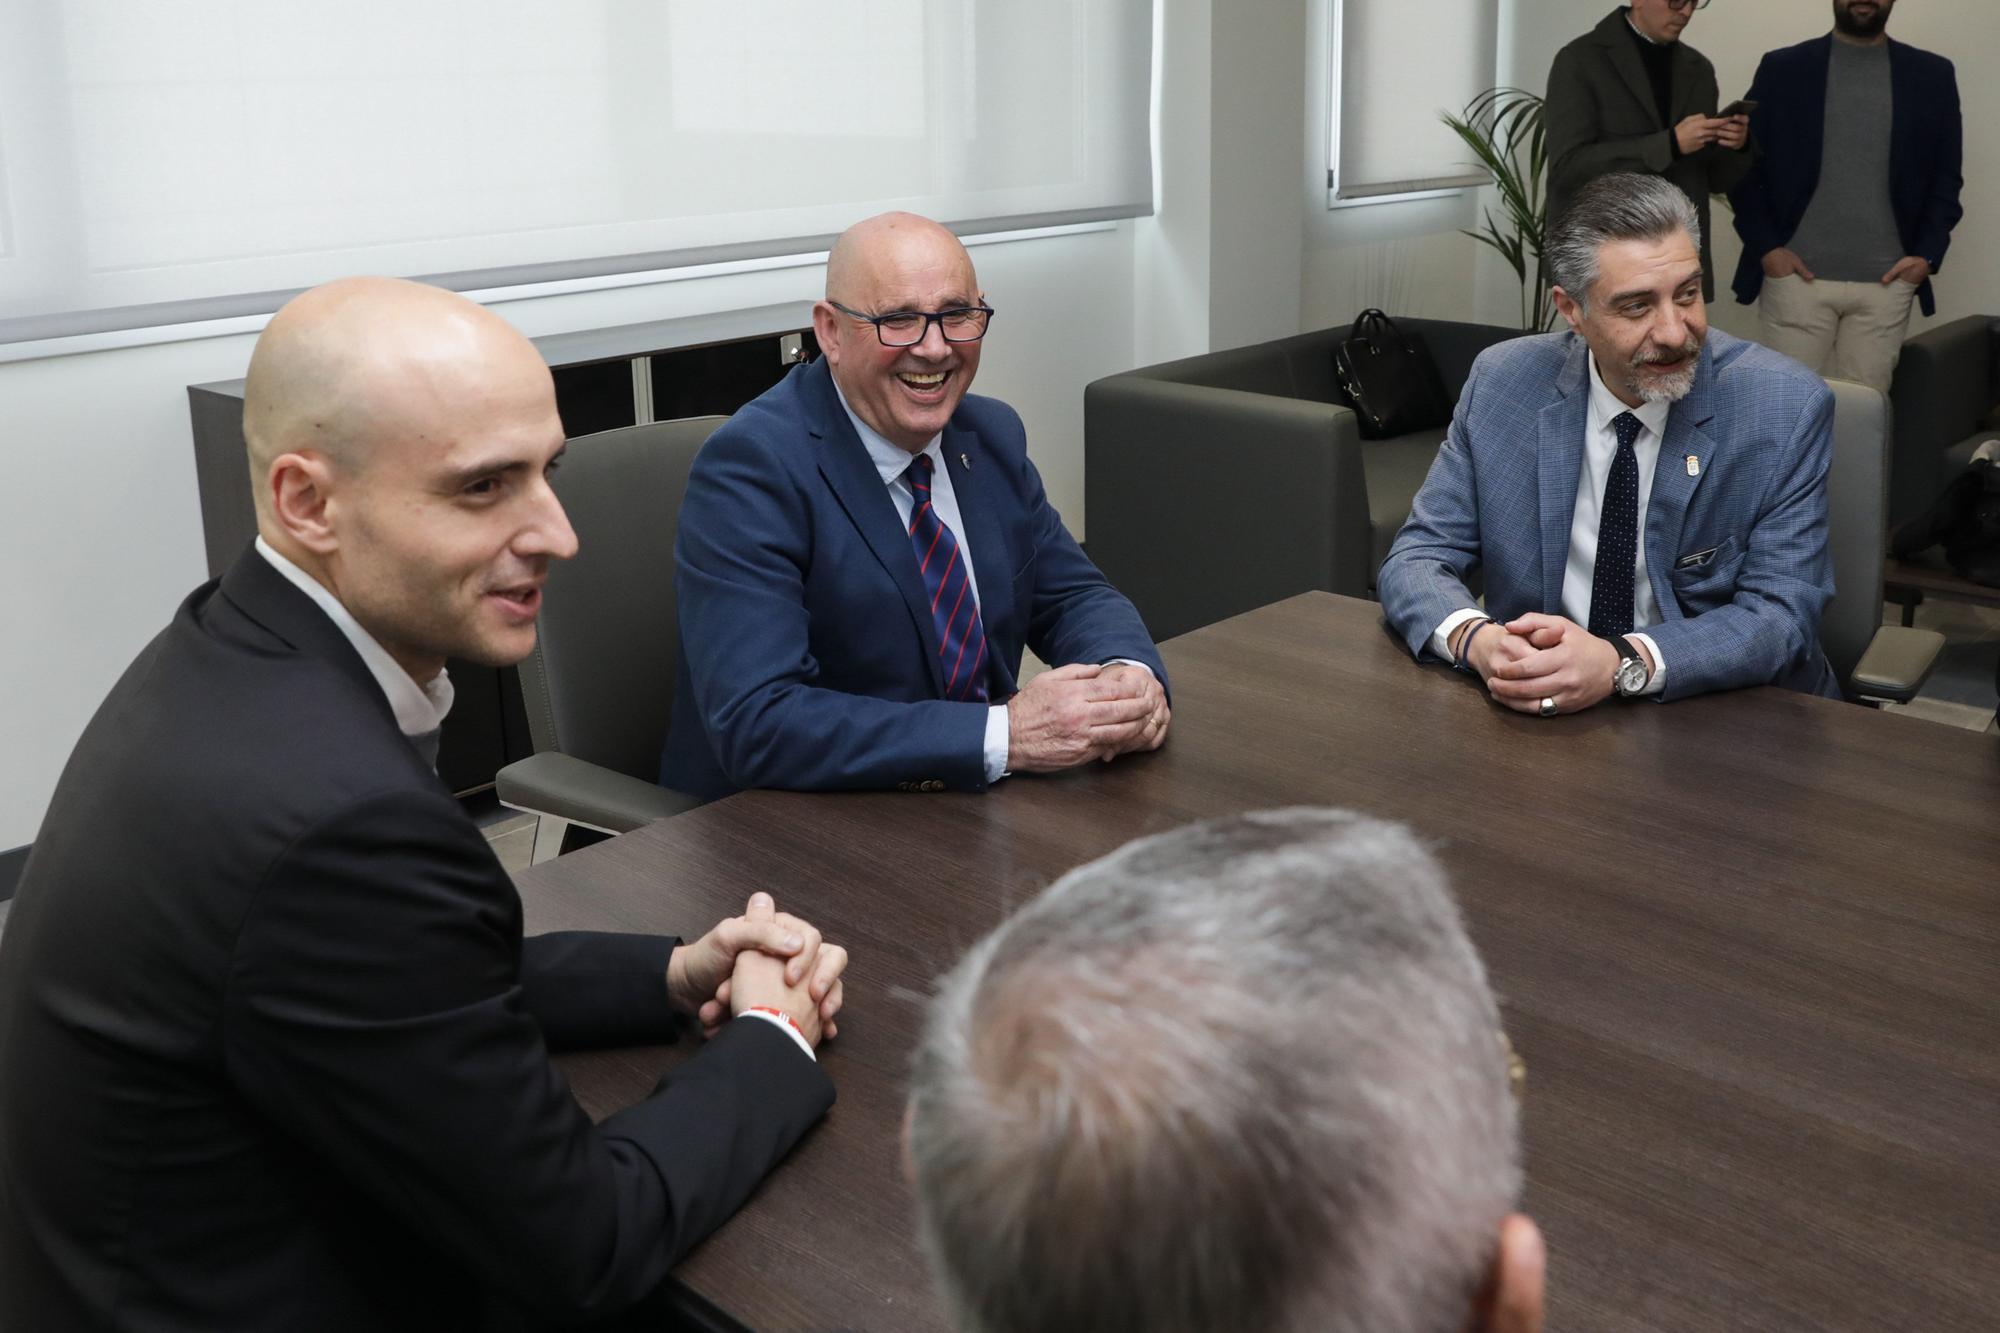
(1789, 124)
(1600, 117)
(1502, 495)
(275, 1052)
(809, 656)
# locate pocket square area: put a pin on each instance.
(1697, 559)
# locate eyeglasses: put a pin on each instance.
(1687, 4)
(907, 328)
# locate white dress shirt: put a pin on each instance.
(1600, 446)
(418, 708)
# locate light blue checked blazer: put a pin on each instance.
(1502, 494)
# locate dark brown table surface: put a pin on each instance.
(1748, 945)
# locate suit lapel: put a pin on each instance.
(1559, 463)
(267, 597)
(992, 562)
(851, 475)
(1625, 59)
(1673, 489)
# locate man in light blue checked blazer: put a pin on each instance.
(1646, 501)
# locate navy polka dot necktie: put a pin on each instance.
(961, 637)
(1617, 537)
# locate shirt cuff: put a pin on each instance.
(997, 736)
(1126, 661)
(1659, 678)
(1441, 641)
(784, 1026)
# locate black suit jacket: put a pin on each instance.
(274, 1054)
(1601, 117)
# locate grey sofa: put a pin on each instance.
(1946, 396)
(1225, 482)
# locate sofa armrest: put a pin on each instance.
(1204, 502)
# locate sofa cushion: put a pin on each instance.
(1396, 468)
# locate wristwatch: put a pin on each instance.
(1631, 676)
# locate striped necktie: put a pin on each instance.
(954, 609)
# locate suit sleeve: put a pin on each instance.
(742, 554)
(375, 1015)
(1942, 209)
(1073, 612)
(1422, 580)
(1725, 166)
(1578, 152)
(1750, 199)
(1771, 625)
(595, 988)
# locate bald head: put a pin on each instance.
(348, 364)
(885, 245)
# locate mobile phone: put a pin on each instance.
(1740, 107)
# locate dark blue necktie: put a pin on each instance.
(954, 609)
(1617, 537)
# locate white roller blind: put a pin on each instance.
(1398, 65)
(165, 160)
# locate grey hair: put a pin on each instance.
(1242, 1076)
(1624, 206)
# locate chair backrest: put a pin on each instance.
(600, 683)
(1857, 505)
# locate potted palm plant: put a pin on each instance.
(1503, 128)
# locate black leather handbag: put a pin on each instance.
(1389, 379)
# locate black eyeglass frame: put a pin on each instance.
(1687, 4)
(929, 317)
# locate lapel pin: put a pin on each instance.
(964, 462)
(1694, 466)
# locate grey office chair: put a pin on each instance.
(1873, 661)
(599, 686)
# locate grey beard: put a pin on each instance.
(1668, 388)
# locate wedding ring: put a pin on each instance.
(1548, 708)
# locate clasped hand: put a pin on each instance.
(1539, 657)
(762, 959)
(1073, 714)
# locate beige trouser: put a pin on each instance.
(1842, 330)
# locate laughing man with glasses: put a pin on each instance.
(865, 551)
(1630, 95)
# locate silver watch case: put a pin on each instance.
(1630, 678)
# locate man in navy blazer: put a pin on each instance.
(1849, 208)
(1647, 501)
(865, 550)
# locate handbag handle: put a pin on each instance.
(1375, 328)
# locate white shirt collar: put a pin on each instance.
(891, 460)
(418, 709)
(1606, 405)
(1640, 31)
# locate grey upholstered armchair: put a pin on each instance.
(599, 686)
(1947, 399)
(1228, 481)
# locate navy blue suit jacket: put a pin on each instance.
(809, 656)
(1751, 524)
(1788, 127)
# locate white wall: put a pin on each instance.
(1734, 35)
(100, 526)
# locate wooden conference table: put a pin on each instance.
(1748, 945)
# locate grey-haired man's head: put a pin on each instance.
(1243, 1076)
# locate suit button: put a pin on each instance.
(902, 786)
(933, 785)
